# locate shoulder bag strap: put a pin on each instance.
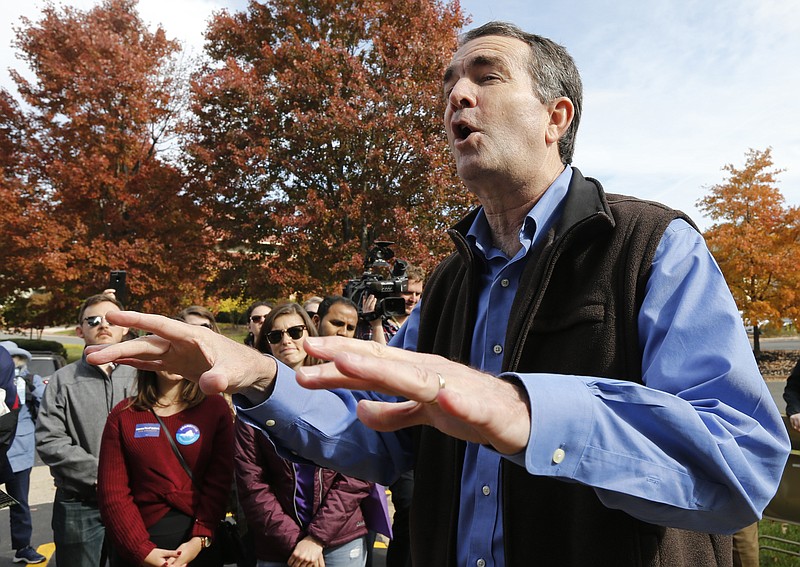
(174, 447)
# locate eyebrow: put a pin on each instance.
(477, 61)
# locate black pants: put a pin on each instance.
(169, 533)
(399, 552)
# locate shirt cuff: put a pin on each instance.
(561, 418)
(275, 415)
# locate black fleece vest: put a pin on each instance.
(575, 312)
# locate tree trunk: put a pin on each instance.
(756, 341)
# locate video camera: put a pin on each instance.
(383, 288)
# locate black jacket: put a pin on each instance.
(575, 313)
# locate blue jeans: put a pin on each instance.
(20, 515)
(351, 554)
(77, 532)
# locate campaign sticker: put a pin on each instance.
(187, 434)
(147, 430)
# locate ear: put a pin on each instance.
(315, 320)
(562, 111)
(79, 331)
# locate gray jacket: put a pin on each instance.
(76, 403)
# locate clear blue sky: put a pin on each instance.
(674, 89)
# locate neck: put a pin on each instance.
(505, 225)
(507, 208)
(169, 393)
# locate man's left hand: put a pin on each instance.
(451, 397)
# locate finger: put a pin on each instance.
(326, 348)
(356, 372)
(388, 416)
(157, 324)
(144, 348)
(213, 382)
(414, 381)
(152, 365)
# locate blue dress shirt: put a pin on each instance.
(700, 445)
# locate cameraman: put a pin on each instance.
(390, 325)
(399, 552)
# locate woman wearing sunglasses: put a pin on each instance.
(301, 515)
(254, 317)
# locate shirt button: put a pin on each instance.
(497, 349)
(486, 490)
(558, 455)
(480, 563)
(270, 422)
(504, 282)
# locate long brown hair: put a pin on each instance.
(262, 344)
(146, 397)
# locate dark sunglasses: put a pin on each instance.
(276, 336)
(95, 320)
(257, 318)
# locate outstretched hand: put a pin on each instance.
(451, 397)
(214, 361)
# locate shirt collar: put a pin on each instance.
(537, 222)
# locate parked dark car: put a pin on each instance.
(45, 363)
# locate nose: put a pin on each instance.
(285, 338)
(462, 95)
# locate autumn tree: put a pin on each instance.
(755, 239)
(317, 130)
(98, 193)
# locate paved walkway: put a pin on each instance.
(43, 492)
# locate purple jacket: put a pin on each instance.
(266, 484)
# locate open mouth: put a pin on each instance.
(463, 132)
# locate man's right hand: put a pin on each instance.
(212, 360)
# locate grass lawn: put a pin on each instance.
(784, 531)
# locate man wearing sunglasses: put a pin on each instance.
(73, 413)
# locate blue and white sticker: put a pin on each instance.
(187, 434)
(147, 430)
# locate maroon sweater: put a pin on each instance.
(140, 479)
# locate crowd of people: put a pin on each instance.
(575, 386)
(143, 461)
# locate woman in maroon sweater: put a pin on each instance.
(299, 514)
(153, 512)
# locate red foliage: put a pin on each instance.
(317, 131)
(93, 191)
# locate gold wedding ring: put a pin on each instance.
(441, 387)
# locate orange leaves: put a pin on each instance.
(755, 238)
